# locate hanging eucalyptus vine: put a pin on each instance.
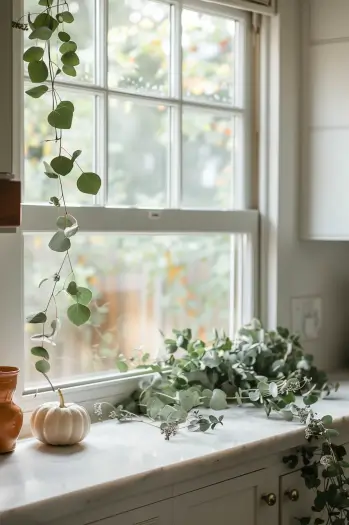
(50, 27)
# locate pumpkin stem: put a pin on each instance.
(61, 398)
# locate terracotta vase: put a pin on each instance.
(11, 416)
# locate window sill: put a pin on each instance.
(113, 390)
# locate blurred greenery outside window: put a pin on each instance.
(161, 117)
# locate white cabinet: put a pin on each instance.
(325, 111)
(234, 502)
(157, 514)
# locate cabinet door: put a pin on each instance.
(234, 502)
(301, 508)
(157, 514)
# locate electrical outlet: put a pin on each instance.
(307, 317)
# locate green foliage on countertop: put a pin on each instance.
(265, 368)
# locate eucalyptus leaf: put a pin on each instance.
(55, 326)
(70, 58)
(66, 16)
(78, 314)
(211, 359)
(63, 36)
(254, 395)
(37, 71)
(65, 221)
(277, 365)
(72, 288)
(185, 399)
(83, 295)
(59, 242)
(68, 47)
(45, 20)
(206, 397)
(331, 433)
(40, 351)
(37, 92)
(76, 154)
(33, 54)
(42, 338)
(167, 413)
(55, 201)
(62, 116)
(41, 33)
(218, 400)
(42, 366)
(310, 399)
(273, 389)
(180, 415)
(69, 70)
(204, 424)
(71, 230)
(89, 183)
(327, 420)
(37, 318)
(154, 408)
(62, 165)
(121, 365)
(49, 171)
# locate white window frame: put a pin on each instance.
(37, 218)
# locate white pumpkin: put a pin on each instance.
(59, 423)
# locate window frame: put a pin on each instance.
(40, 218)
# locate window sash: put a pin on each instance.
(174, 101)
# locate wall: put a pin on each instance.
(298, 268)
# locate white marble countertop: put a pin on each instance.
(119, 457)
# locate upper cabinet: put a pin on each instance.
(325, 120)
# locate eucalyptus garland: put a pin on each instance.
(54, 54)
(267, 369)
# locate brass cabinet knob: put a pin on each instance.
(270, 499)
(292, 494)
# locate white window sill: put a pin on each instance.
(113, 390)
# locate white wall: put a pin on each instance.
(302, 268)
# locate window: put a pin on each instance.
(162, 114)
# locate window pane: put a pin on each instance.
(37, 187)
(208, 44)
(141, 284)
(208, 152)
(138, 153)
(82, 31)
(139, 45)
